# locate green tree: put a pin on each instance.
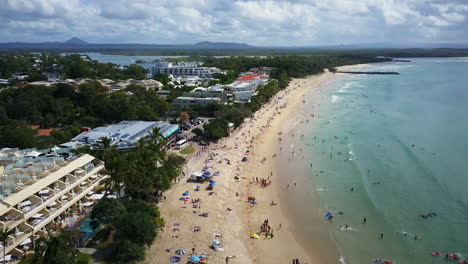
(161, 77)
(3, 239)
(139, 228)
(107, 211)
(129, 252)
(198, 132)
(216, 129)
(58, 249)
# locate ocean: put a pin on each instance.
(389, 148)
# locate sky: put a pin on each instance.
(255, 22)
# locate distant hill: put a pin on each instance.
(231, 48)
(222, 45)
(75, 41)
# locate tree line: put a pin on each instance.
(67, 107)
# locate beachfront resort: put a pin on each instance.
(42, 192)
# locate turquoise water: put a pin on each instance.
(401, 143)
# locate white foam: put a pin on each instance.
(342, 260)
(335, 98)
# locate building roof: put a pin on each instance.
(250, 77)
(124, 134)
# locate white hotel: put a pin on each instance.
(183, 69)
(41, 192)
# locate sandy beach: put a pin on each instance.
(231, 218)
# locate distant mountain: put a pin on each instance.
(76, 41)
(77, 45)
(222, 45)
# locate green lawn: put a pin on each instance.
(83, 258)
(188, 150)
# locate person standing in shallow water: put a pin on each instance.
(365, 219)
(381, 235)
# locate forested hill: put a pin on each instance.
(207, 48)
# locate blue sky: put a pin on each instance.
(256, 22)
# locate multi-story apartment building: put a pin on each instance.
(42, 193)
(183, 69)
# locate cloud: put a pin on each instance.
(258, 22)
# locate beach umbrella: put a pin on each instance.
(194, 258)
(180, 251)
(175, 259)
(253, 202)
(216, 242)
(185, 194)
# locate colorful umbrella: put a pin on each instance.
(180, 251)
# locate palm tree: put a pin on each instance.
(3, 238)
(58, 249)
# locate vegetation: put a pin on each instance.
(141, 176)
(59, 249)
(70, 66)
(64, 107)
(188, 150)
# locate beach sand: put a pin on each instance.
(230, 215)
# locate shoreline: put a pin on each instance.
(230, 215)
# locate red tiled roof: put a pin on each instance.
(44, 132)
(249, 77)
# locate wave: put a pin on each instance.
(342, 261)
(349, 85)
(336, 98)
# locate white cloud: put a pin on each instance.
(259, 22)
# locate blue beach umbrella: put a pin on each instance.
(185, 194)
(216, 242)
(194, 258)
(253, 202)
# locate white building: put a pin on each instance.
(183, 69)
(42, 192)
(187, 102)
(124, 135)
